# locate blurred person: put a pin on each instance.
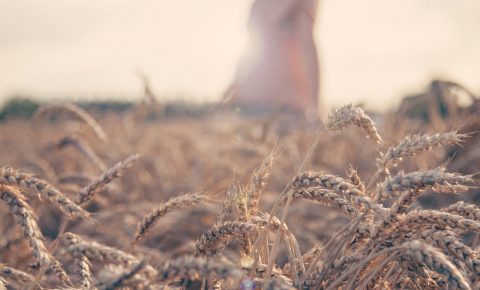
(280, 68)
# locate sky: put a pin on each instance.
(371, 51)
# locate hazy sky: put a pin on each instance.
(371, 50)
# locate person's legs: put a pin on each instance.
(284, 71)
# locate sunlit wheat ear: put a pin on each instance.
(80, 262)
(114, 172)
(174, 203)
(436, 261)
(414, 144)
(210, 242)
(355, 179)
(469, 211)
(83, 147)
(349, 115)
(215, 284)
(75, 112)
(436, 179)
(451, 245)
(24, 217)
(26, 181)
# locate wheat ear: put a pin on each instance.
(209, 242)
(76, 112)
(80, 262)
(43, 189)
(229, 209)
(118, 283)
(326, 197)
(197, 268)
(25, 218)
(425, 218)
(448, 241)
(414, 144)
(466, 210)
(338, 185)
(15, 275)
(88, 192)
(84, 148)
(257, 184)
(349, 115)
(436, 179)
(96, 251)
(178, 202)
(436, 261)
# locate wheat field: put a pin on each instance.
(220, 200)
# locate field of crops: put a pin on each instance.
(140, 199)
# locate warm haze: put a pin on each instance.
(371, 51)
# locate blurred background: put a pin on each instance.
(372, 52)
(85, 84)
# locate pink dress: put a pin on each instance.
(281, 67)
